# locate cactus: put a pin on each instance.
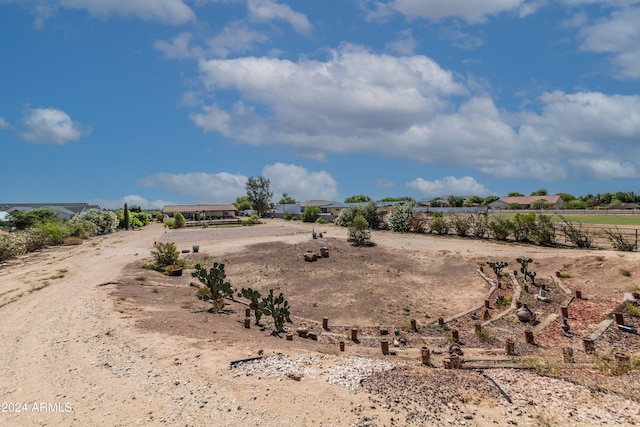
(497, 267)
(217, 287)
(277, 308)
(524, 262)
(254, 297)
(525, 272)
(532, 275)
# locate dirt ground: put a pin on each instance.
(92, 338)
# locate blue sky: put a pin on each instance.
(156, 102)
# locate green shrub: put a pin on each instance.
(179, 220)
(359, 233)
(12, 245)
(105, 221)
(500, 228)
(439, 224)
(288, 216)
(170, 223)
(311, 214)
(165, 254)
(399, 219)
(321, 221)
(252, 220)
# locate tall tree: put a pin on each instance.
(540, 192)
(127, 220)
(515, 194)
(286, 200)
(242, 203)
(259, 194)
(360, 198)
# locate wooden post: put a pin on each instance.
(440, 321)
(354, 334)
(578, 294)
(619, 318)
(384, 344)
(567, 353)
(455, 335)
(426, 355)
(414, 325)
(564, 312)
(289, 337)
(589, 345)
(528, 336)
(510, 347)
(526, 287)
(452, 362)
(247, 312)
(247, 322)
(341, 345)
(486, 304)
(325, 323)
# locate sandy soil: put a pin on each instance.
(91, 338)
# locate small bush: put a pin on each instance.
(502, 301)
(165, 254)
(311, 214)
(632, 310)
(252, 220)
(484, 333)
(541, 365)
(12, 245)
(179, 221)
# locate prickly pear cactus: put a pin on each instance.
(214, 280)
(254, 297)
(277, 308)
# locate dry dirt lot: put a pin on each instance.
(91, 338)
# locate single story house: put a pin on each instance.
(525, 201)
(201, 212)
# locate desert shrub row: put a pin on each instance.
(532, 227)
(42, 228)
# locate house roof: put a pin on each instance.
(527, 200)
(72, 208)
(198, 208)
(316, 203)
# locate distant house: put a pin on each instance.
(201, 212)
(525, 201)
(63, 210)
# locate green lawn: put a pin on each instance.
(633, 220)
(605, 219)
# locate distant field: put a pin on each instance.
(626, 220)
(606, 219)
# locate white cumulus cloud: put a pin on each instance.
(449, 186)
(50, 125)
(130, 200)
(268, 10)
(202, 187)
(300, 183)
(3, 123)
(172, 12)
(472, 11)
